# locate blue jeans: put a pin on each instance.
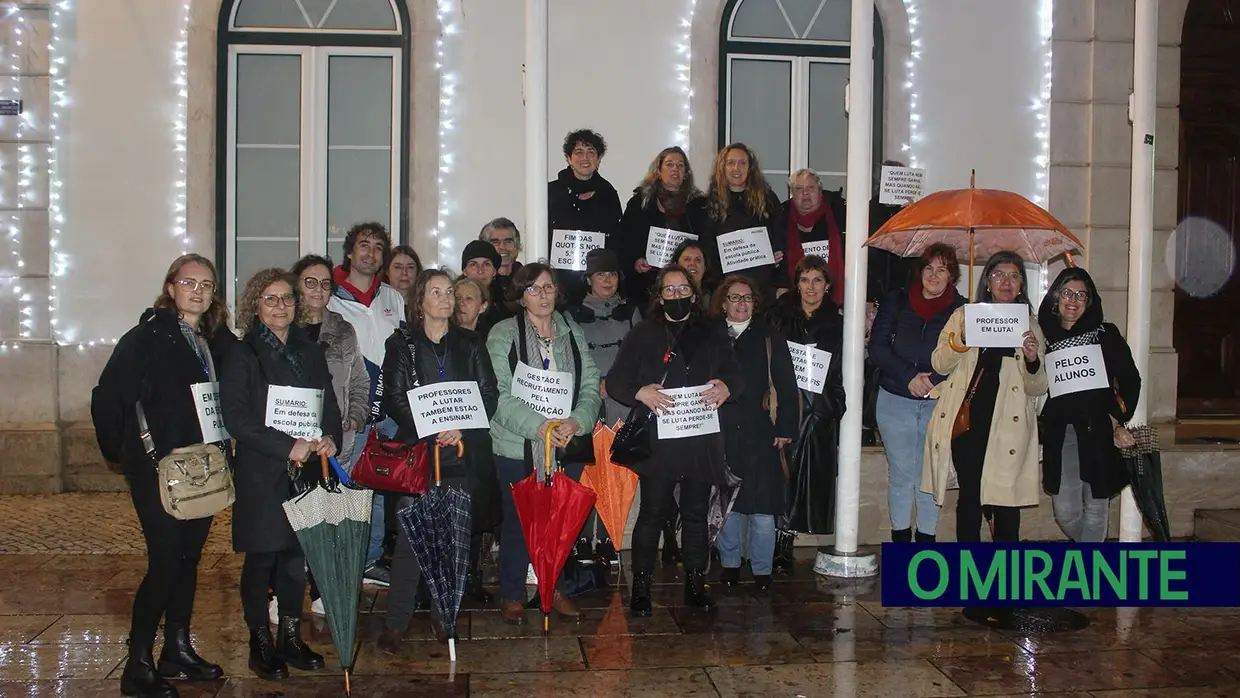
(514, 556)
(387, 429)
(1082, 516)
(902, 422)
(761, 546)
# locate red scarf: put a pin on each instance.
(835, 245)
(928, 308)
(364, 297)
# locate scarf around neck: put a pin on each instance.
(928, 308)
(289, 355)
(577, 187)
(835, 245)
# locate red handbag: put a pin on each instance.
(392, 466)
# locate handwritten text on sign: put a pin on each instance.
(1076, 369)
(810, 364)
(549, 393)
(900, 185)
(995, 324)
(690, 416)
(446, 406)
(570, 247)
(745, 249)
(210, 416)
(661, 243)
(822, 248)
(297, 412)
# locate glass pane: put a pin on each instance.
(268, 99)
(834, 22)
(268, 192)
(359, 101)
(833, 182)
(316, 10)
(361, 14)
(828, 125)
(359, 188)
(759, 99)
(760, 19)
(800, 13)
(270, 14)
(255, 255)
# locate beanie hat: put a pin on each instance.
(479, 248)
(601, 260)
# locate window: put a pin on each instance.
(784, 72)
(313, 103)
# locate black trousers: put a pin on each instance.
(658, 501)
(968, 459)
(406, 573)
(173, 550)
(285, 571)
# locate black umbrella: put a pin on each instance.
(1144, 463)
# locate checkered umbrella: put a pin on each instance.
(1144, 463)
(439, 525)
(333, 527)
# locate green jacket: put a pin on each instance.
(515, 422)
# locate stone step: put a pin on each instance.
(1219, 525)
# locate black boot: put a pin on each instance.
(671, 551)
(140, 678)
(292, 649)
(265, 662)
(422, 599)
(583, 552)
(605, 551)
(695, 590)
(475, 590)
(925, 537)
(640, 605)
(178, 657)
(785, 542)
(901, 535)
(729, 577)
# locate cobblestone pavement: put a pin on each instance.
(92, 524)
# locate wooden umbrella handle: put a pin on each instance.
(547, 448)
(323, 460)
(951, 342)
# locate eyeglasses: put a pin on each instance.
(536, 290)
(738, 298)
(677, 291)
(271, 300)
(194, 285)
(313, 284)
(1068, 294)
(998, 276)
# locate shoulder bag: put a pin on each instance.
(633, 440)
(195, 482)
(393, 466)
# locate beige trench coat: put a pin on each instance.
(1010, 470)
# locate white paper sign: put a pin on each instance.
(822, 248)
(1076, 369)
(297, 412)
(690, 416)
(210, 416)
(995, 324)
(900, 185)
(810, 364)
(570, 247)
(549, 393)
(745, 249)
(446, 406)
(661, 243)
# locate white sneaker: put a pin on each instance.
(273, 611)
(316, 607)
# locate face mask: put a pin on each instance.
(677, 309)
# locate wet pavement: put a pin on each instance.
(64, 618)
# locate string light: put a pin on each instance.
(683, 71)
(910, 83)
(1042, 105)
(447, 102)
(180, 130)
(25, 181)
(59, 261)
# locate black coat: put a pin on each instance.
(153, 363)
(702, 353)
(465, 359)
(261, 463)
(640, 215)
(901, 342)
(815, 457)
(739, 218)
(749, 435)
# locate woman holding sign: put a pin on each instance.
(545, 373)
(1094, 386)
(280, 407)
(739, 199)
(433, 350)
(167, 363)
(675, 351)
(984, 428)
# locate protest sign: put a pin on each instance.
(446, 406)
(661, 243)
(900, 185)
(810, 365)
(745, 249)
(690, 416)
(995, 324)
(570, 247)
(822, 248)
(549, 393)
(297, 412)
(210, 415)
(1076, 369)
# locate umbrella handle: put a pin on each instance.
(547, 448)
(460, 453)
(323, 460)
(951, 342)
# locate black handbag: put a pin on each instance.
(633, 442)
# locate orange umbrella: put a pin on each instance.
(978, 223)
(616, 485)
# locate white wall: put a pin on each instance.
(119, 164)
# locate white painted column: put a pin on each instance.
(843, 560)
(1141, 217)
(534, 238)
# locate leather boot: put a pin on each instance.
(140, 678)
(785, 543)
(389, 641)
(265, 662)
(475, 590)
(640, 604)
(671, 551)
(565, 606)
(925, 537)
(422, 599)
(695, 590)
(178, 657)
(729, 577)
(513, 612)
(901, 535)
(292, 649)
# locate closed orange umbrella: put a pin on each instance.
(616, 485)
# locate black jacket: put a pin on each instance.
(749, 435)
(640, 215)
(740, 218)
(153, 363)
(261, 463)
(566, 211)
(901, 342)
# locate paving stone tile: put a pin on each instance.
(16, 630)
(903, 679)
(633, 683)
(30, 662)
(624, 652)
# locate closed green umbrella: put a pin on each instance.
(333, 527)
(1144, 463)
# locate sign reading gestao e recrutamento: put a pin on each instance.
(447, 406)
(549, 393)
(995, 324)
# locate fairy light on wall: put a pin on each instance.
(25, 179)
(448, 22)
(684, 69)
(1042, 104)
(910, 83)
(59, 261)
(180, 130)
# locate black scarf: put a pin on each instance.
(672, 202)
(288, 354)
(577, 187)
